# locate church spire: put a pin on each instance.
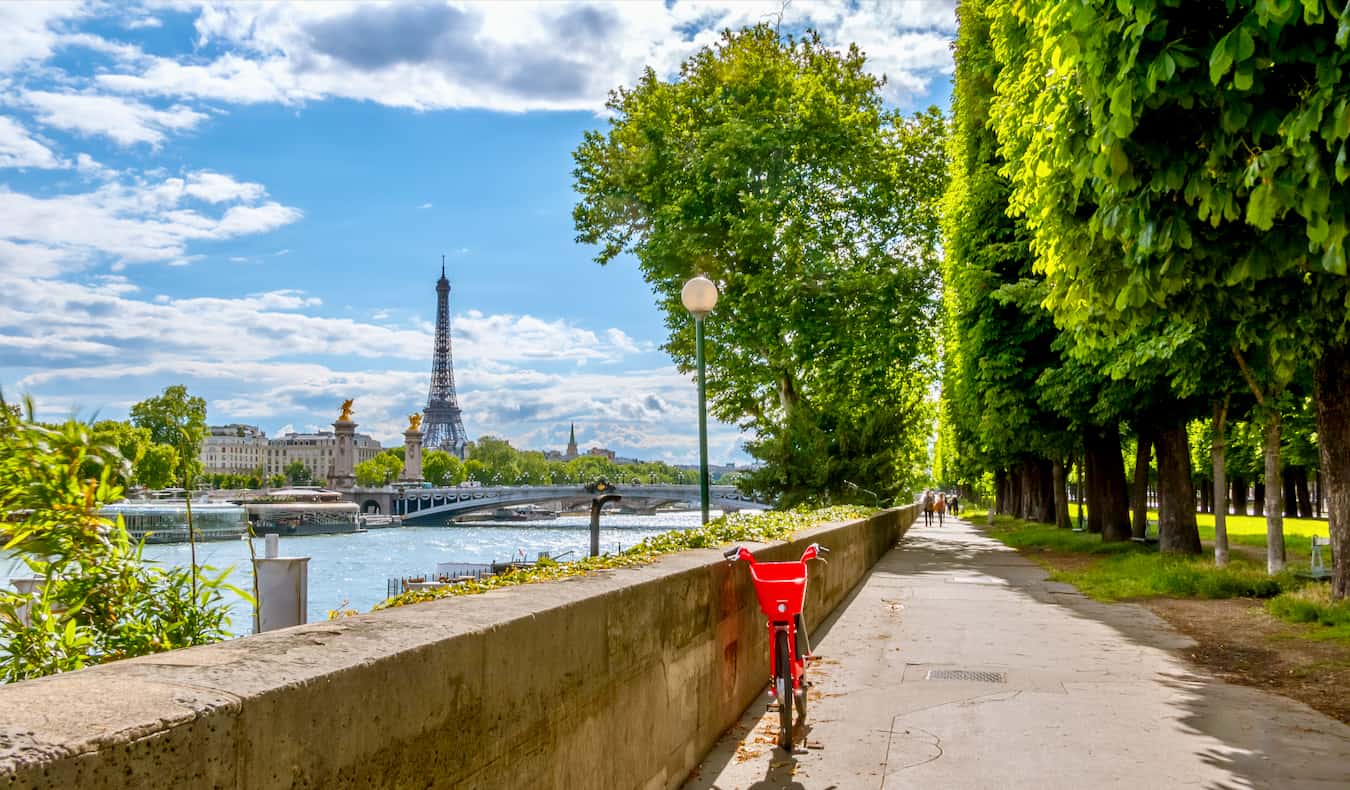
(572, 443)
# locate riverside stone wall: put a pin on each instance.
(623, 679)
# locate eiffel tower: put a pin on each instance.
(444, 428)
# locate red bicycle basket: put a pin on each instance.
(779, 582)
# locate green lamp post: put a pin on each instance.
(699, 296)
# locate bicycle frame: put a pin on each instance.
(780, 588)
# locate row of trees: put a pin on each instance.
(161, 442)
(771, 165)
(493, 461)
(1147, 226)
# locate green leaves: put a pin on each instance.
(95, 601)
(771, 165)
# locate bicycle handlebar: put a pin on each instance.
(813, 552)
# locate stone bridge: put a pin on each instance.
(429, 506)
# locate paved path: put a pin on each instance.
(1094, 694)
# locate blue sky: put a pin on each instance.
(252, 200)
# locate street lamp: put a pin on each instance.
(699, 296)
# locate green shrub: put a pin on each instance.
(96, 600)
(1312, 604)
(732, 528)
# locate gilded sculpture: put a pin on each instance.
(414, 422)
(346, 415)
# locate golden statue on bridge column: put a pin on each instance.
(414, 422)
(346, 415)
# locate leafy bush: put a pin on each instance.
(1313, 604)
(732, 528)
(94, 600)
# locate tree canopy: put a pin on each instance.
(771, 165)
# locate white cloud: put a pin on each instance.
(137, 220)
(27, 30)
(125, 121)
(218, 188)
(19, 149)
(91, 167)
(425, 205)
(509, 56)
(253, 357)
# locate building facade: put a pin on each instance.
(243, 449)
(234, 449)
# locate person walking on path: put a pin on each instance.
(927, 507)
(940, 506)
(956, 505)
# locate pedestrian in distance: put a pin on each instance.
(940, 506)
(956, 505)
(927, 507)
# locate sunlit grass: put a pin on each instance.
(1251, 531)
(1128, 570)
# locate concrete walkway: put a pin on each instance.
(1092, 695)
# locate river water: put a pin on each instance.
(352, 570)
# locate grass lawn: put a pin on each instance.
(1119, 571)
(1251, 531)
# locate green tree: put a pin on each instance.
(381, 469)
(297, 473)
(1184, 164)
(131, 442)
(157, 465)
(772, 166)
(501, 461)
(442, 469)
(177, 419)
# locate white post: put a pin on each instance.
(283, 588)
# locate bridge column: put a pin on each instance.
(412, 454)
(344, 454)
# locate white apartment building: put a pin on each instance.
(234, 449)
(243, 449)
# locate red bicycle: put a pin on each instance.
(781, 589)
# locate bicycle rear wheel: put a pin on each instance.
(782, 686)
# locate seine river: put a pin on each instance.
(352, 570)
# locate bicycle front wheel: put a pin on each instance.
(782, 683)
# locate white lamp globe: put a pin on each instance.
(699, 296)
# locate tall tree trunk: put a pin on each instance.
(1177, 529)
(1027, 489)
(1206, 493)
(1259, 498)
(1044, 487)
(1216, 454)
(1108, 472)
(1288, 496)
(1001, 491)
(1332, 393)
(1059, 481)
(1239, 497)
(1139, 498)
(1301, 493)
(1274, 513)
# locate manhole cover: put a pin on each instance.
(965, 674)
